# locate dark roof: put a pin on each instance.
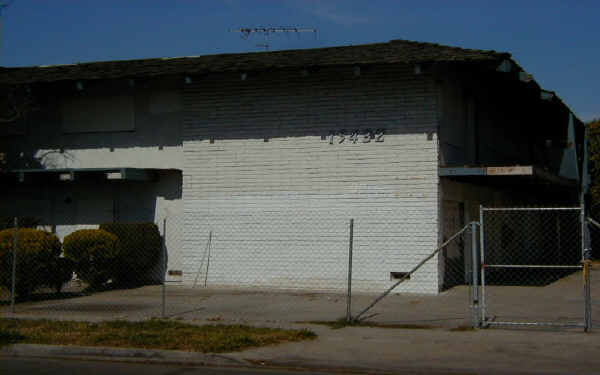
(395, 51)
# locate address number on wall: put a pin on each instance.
(356, 136)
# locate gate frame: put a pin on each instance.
(584, 266)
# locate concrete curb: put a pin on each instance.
(233, 360)
(121, 354)
(175, 357)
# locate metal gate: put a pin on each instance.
(533, 271)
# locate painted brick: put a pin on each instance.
(261, 175)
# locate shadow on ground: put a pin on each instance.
(558, 301)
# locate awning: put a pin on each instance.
(72, 174)
(519, 174)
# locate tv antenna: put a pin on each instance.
(267, 31)
(3, 5)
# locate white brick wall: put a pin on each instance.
(279, 209)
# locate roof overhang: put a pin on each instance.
(517, 174)
(392, 52)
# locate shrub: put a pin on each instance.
(37, 252)
(61, 272)
(140, 248)
(94, 253)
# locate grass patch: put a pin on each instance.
(341, 323)
(152, 334)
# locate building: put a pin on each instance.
(264, 157)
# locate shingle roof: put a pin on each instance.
(395, 51)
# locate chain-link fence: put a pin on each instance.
(259, 269)
(532, 267)
(284, 269)
(92, 274)
(455, 305)
(287, 268)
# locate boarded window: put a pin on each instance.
(165, 102)
(98, 114)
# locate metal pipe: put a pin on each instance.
(407, 275)
(550, 324)
(587, 296)
(204, 255)
(593, 222)
(531, 208)
(349, 298)
(579, 266)
(586, 272)
(164, 281)
(558, 240)
(208, 258)
(582, 221)
(14, 265)
(482, 306)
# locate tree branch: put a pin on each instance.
(17, 104)
(13, 118)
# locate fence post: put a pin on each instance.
(586, 255)
(349, 298)
(587, 265)
(208, 257)
(164, 281)
(475, 272)
(482, 304)
(14, 265)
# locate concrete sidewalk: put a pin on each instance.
(558, 302)
(479, 352)
(437, 349)
(379, 350)
(249, 306)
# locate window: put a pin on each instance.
(98, 114)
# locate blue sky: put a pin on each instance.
(556, 41)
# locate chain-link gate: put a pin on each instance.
(533, 271)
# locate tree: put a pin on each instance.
(16, 103)
(593, 134)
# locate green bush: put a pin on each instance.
(61, 273)
(37, 253)
(94, 253)
(140, 248)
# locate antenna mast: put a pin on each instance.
(267, 31)
(3, 5)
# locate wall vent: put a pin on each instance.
(399, 275)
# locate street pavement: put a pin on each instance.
(23, 366)
(381, 350)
